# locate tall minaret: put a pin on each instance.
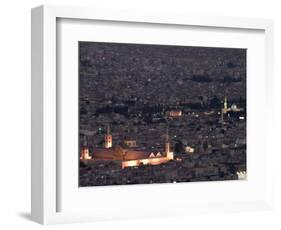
(108, 138)
(85, 154)
(169, 154)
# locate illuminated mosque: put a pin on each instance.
(227, 109)
(127, 153)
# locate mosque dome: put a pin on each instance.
(234, 107)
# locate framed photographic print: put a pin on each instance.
(161, 113)
(142, 114)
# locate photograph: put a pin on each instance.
(154, 113)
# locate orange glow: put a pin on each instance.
(175, 113)
(132, 163)
(145, 161)
(189, 149)
(131, 143)
(108, 141)
(149, 161)
(85, 155)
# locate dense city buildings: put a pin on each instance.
(158, 114)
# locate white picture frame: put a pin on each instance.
(45, 166)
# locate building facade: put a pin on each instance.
(128, 153)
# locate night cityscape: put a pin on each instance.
(161, 114)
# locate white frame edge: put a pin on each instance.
(37, 115)
(43, 71)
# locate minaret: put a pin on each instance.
(85, 154)
(169, 154)
(108, 138)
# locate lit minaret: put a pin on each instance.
(169, 154)
(224, 109)
(85, 154)
(108, 138)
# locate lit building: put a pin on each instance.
(130, 143)
(133, 157)
(242, 175)
(85, 154)
(108, 139)
(189, 149)
(174, 113)
(128, 153)
(233, 108)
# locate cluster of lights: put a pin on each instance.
(241, 175)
